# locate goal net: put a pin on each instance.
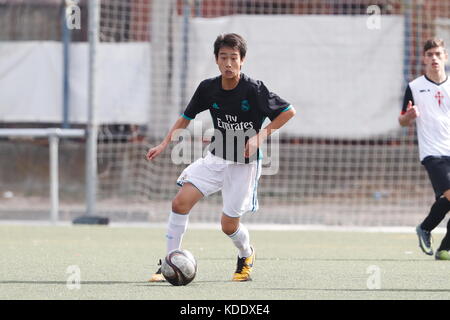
(344, 65)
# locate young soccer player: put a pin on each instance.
(427, 102)
(238, 106)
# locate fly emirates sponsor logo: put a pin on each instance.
(231, 123)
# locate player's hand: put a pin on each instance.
(154, 152)
(411, 111)
(251, 146)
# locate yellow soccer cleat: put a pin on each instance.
(157, 276)
(244, 268)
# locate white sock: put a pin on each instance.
(241, 240)
(175, 230)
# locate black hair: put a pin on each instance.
(231, 40)
(433, 43)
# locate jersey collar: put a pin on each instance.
(438, 84)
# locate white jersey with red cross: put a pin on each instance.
(433, 124)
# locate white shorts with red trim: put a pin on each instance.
(238, 182)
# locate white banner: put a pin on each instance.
(31, 82)
(344, 79)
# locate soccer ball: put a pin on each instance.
(179, 267)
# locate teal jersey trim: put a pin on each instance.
(287, 108)
(255, 188)
(186, 117)
(260, 154)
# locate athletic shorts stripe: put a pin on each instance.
(255, 187)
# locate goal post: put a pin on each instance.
(92, 126)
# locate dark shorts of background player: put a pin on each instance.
(438, 169)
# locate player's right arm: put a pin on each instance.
(409, 111)
(152, 153)
(195, 106)
(408, 117)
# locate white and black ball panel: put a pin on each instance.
(179, 267)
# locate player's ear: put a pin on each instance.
(242, 61)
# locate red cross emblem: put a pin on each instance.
(439, 96)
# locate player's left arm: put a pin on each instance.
(257, 140)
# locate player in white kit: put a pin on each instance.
(427, 102)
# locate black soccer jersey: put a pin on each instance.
(237, 114)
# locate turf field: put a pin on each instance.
(114, 263)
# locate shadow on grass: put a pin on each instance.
(142, 283)
(65, 282)
(328, 259)
(355, 290)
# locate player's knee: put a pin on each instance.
(228, 228)
(180, 206)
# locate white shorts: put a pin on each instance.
(238, 182)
